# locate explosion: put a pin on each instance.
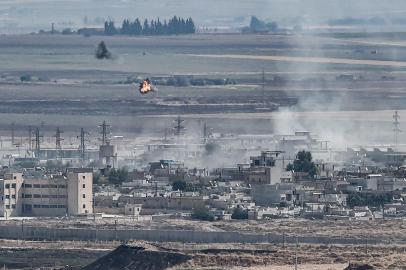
(146, 86)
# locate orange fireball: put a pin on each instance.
(145, 86)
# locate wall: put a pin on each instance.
(56, 234)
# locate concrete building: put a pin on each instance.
(266, 168)
(46, 195)
(267, 195)
(11, 191)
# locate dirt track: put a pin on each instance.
(317, 60)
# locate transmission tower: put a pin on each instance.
(179, 128)
(12, 133)
(166, 135)
(396, 129)
(82, 146)
(204, 132)
(37, 143)
(263, 85)
(58, 145)
(30, 138)
(104, 132)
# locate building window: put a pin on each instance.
(28, 196)
(37, 206)
(13, 196)
(84, 185)
(37, 195)
(7, 185)
(84, 177)
(13, 206)
(37, 185)
(61, 206)
(13, 185)
(7, 196)
(84, 206)
(28, 185)
(61, 186)
(7, 206)
(83, 196)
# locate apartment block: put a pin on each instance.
(46, 195)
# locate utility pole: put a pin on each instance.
(396, 129)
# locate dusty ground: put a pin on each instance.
(23, 255)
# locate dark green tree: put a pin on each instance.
(239, 213)
(369, 199)
(109, 28)
(257, 25)
(202, 213)
(303, 163)
(179, 185)
(118, 176)
(146, 28)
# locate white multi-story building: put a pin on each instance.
(47, 195)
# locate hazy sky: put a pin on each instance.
(19, 15)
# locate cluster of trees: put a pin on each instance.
(183, 186)
(202, 213)
(239, 213)
(369, 199)
(174, 26)
(118, 176)
(257, 26)
(303, 163)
